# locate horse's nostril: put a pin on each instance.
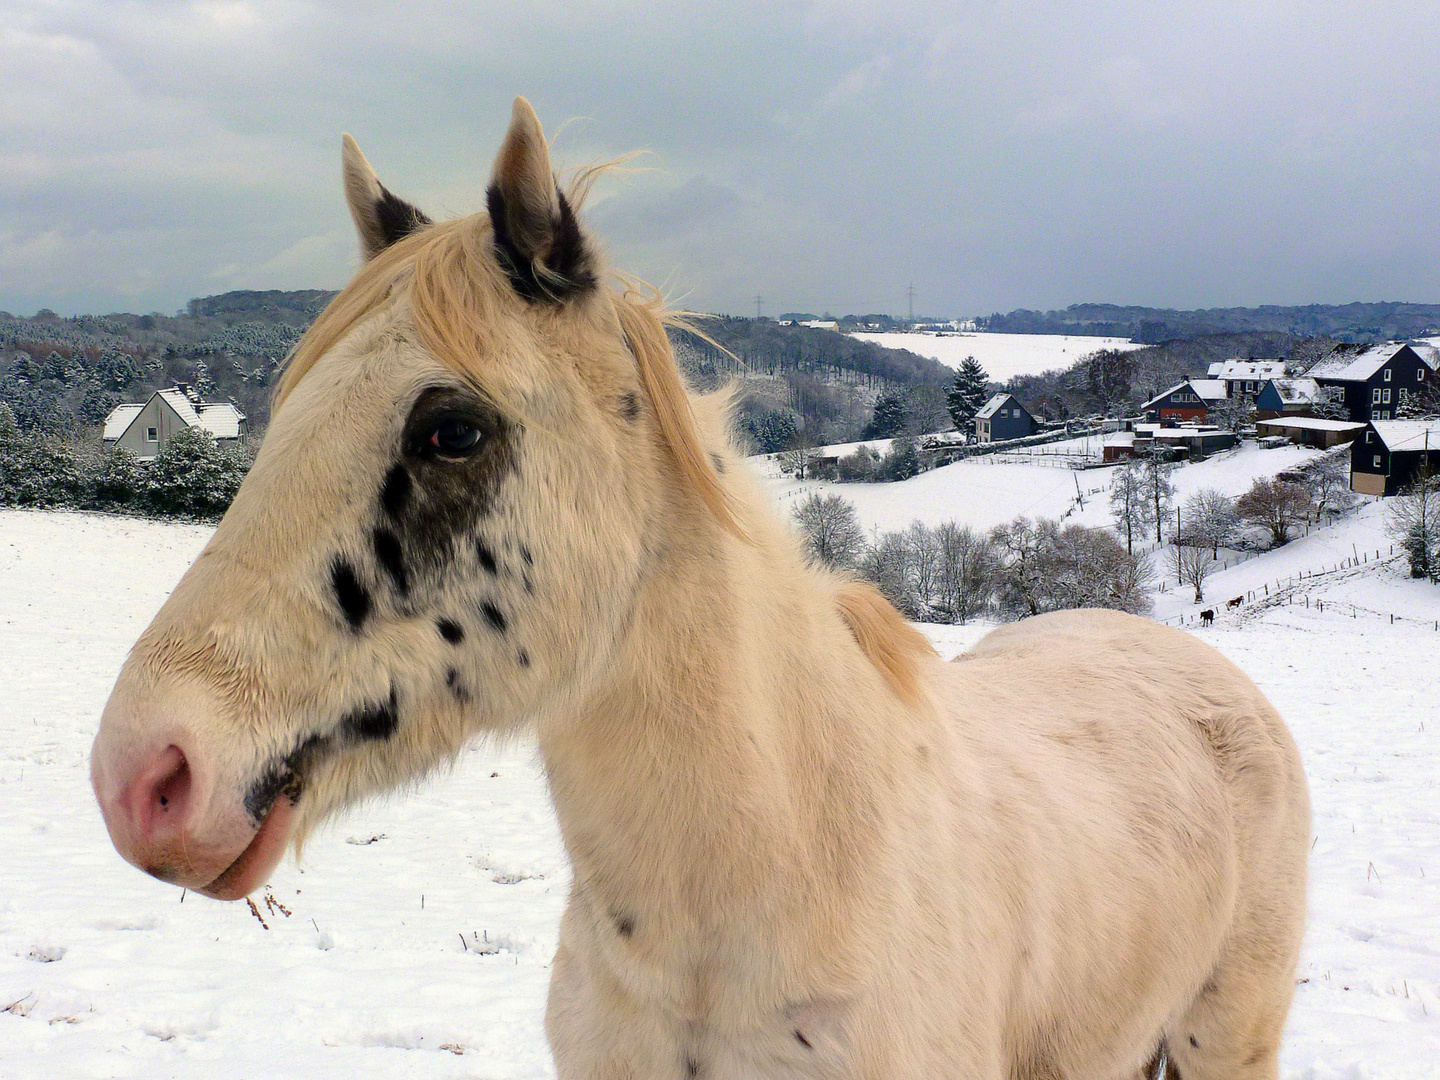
(163, 807)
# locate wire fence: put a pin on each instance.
(1293, 591)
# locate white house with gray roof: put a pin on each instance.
(145, 428)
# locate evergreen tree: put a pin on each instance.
(888, 419)
(967, 393)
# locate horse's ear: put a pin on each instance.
(381, 217)
(537, 239)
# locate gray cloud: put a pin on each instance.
(823, 155)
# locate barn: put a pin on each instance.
(1309, 430)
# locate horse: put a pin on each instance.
(1207, 617)
(1234, 602)
(803, 844)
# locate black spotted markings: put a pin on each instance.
(494, 616)
(451, 631)
(374, 722)
(354, 599)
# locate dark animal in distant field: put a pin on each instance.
(1229, 604)
(1207, 616)
(802, 845)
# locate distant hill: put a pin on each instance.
(64, 375)
(1390, 321)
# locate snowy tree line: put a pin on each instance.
(191, 477)
(951, 573)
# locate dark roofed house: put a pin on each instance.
(145, 428)
(1373, 377)
(1189, 400)
(1390, 453)
(1001, 418)
(1286, 397)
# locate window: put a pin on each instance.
(1375, 396)
(152, 434)
(1386, 398)
(1249, 386)
(1369, 436)
(1420, 374)
(1377, 461)
(1387, 374)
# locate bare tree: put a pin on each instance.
(967, 571)
(1329, 482)
(1191, 564)
(832, 530)
(887, 563)
(1413, 519)
(1233, 414)
(1046, 568)
(1208, 518)
(1127, 502)
(924, 564)
(1158, 491)
(1275, 505)
(1018, 545)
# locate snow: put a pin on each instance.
(112, 974)
(1003, 356)
(983, 492)
(120, 418)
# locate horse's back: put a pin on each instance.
(1157, 816)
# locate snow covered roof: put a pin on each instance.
(1353, 367)
(1247, 369)
(1309, 423)
(988, 409)
(1408, 434)
(221, 418)
(1296, 390)
(120, 418)
(1205, 390)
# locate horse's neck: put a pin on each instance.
(733, 769)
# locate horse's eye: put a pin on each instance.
(454, 437)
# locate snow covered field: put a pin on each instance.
(983, 492)
(1003, 356)
(414, 939)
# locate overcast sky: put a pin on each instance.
(824, 155)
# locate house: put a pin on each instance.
(1390, 454)
(1373, 377)
(1189, 400)
(145, 428)
(1286, 397)
(1309, 430)
(1001, 418)
(1243, 377)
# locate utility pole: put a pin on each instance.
(759, 301)
(910, 292)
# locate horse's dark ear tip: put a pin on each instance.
(565, 271)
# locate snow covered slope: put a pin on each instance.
(1003, 356)
(107, 973)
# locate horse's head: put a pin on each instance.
(476, 452)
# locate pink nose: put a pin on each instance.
(156, 805)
